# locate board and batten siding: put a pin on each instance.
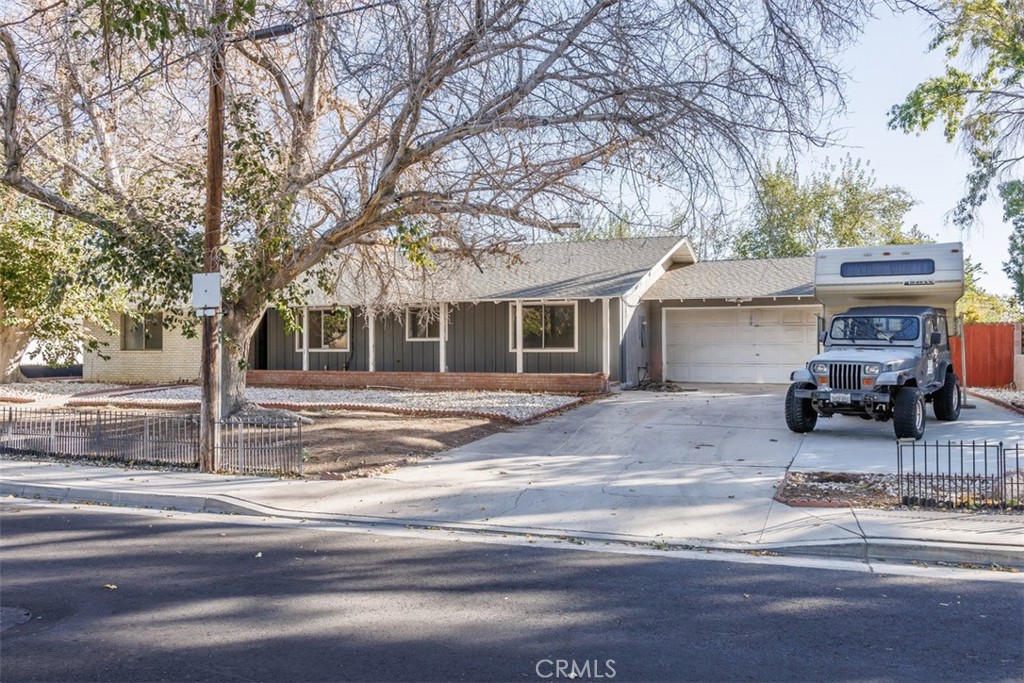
(478, 341)
(281, 353)
(395, 354)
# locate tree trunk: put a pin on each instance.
(14, 341)
(239, 324)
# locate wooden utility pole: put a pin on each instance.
(210, 408)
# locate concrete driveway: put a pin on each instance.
(701, 464)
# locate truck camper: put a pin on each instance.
(886, 345)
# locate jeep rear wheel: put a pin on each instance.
(908, 413)
(800, 415)
(946, 401)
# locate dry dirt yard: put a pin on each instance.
(344, 444)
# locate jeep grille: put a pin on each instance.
(844, 375)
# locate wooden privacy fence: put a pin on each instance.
(989, 349)
(253, 445)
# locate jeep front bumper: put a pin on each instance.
(837, 400)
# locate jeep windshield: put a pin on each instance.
(885, 328)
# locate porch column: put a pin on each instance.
(371, 340)
(305, 337)
(442, 342)
(519, 336)
(606, 336)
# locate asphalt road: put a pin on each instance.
(202, 600)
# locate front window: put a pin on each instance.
(422, 324)
(546, 327)
(142, 334)
(328, 330)
(876, 328)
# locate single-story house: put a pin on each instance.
(568, 316)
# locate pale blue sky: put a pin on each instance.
(888, 62)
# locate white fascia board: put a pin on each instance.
(681, 252)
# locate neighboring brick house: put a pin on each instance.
(570, 312)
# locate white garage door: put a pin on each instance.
(757, 345)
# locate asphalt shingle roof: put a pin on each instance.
(597, 268)
(737, 278)
(549, 270)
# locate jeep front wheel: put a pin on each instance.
(800, 415)
(946, 401)
(908, 413)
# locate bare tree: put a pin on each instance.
(439, 126)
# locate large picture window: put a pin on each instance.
(422, 324)
(546, 327)
(142, 334)
(328, 330)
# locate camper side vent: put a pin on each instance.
(844, 375)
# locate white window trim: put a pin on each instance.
(563, 349)
(302, 335)
(409, 327)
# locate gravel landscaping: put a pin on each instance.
(1007, 396)
(41, 391)
(513, 406)
(506, 405)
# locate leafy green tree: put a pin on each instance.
(48, 288)
(1012, 194)
(979, 306)
(980, 97)
(836, 207)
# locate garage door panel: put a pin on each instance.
(738, 345)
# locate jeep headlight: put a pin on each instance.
(819, 368)
(872, 369)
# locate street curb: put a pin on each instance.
(867, 550)
(163, 501)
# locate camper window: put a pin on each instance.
(917, 266)
(887, 328)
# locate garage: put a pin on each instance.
(738, 344)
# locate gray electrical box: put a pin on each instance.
(206, 293)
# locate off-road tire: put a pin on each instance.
(800, 415)
(908, 413)
(946, 401)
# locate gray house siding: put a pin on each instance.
(478, 341)
(478, 338)
(395, 354)
(281, 353)
(636, 342)
(586, 358)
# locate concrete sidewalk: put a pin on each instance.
(692, 469)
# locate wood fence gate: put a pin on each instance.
(989, 351)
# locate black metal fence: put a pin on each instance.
(254, 445)
(960, 475)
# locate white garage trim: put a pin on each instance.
(765, 347)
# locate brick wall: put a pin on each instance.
(437, 381)
(178, 361)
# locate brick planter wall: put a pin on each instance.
(431, 381)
